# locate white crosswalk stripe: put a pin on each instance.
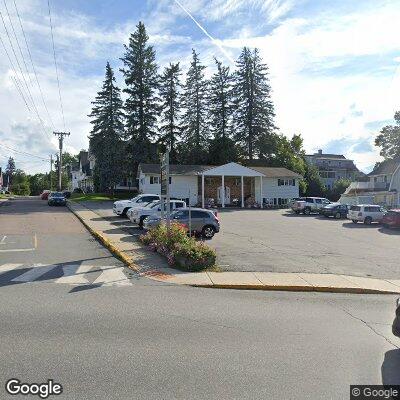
(112, 276)
(73, 274)
(34, 273)
(9, 267)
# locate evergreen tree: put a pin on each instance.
(194, 125)
(170, 109)
(106, 135)
(141, 108)
(220, 106)
(10, 170)
(254, 110)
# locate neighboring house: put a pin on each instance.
(224, 185)
(333, 167)
(81, 173)
(382, 187)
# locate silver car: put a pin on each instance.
(204, 222)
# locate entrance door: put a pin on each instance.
(227, 195)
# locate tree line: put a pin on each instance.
(228, 117)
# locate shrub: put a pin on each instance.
(181, 250)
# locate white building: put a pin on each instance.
(382, 187)
(82, 173)
(229, 184)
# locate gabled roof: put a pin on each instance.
(386, 167)
(234, 169)
(174, 169)
(274, 172)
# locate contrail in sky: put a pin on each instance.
(215, 41)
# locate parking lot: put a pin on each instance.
(281, 241)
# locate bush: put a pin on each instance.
(182, 251)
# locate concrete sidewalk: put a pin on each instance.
(153, 266)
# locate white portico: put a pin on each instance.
(225, 185)
(233, 169)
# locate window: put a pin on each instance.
(280, 182)
(179, 205)
(170, 179)
(286, 182)
(154, 180)
(355, 208)
(318, 201)
(181, 214)
(199, 214)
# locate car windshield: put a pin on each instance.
(57, 194)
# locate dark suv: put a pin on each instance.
(335, 210)
(204, 222)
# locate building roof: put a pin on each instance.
(175, 169)
(386, 167)
(180, 169)
(327, 155)
(274, 172)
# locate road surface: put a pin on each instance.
(144, 340)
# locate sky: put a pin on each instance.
(334, 65)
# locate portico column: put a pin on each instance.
(202, 190)
(242, 190)
(261, 192)
(223, 191)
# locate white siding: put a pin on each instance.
(271, 189)
(180, 187)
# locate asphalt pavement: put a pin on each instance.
(158, 341)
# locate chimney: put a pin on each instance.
(320, 152)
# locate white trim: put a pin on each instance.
(231, 169)
(202, 190)
(223, 191)
(242, 190)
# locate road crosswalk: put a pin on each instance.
(72, 274)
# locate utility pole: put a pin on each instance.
(60, 136)
(51, 172)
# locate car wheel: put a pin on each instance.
(307, 211)
(208, 231)
(141, 221)
(338, 215)
(368, 221)
(297, 212)
(354, 221)
(123, 214)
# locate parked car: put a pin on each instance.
(391, 219)
(121, 207)
(396, 322)
(45, 195)
(203, 221)
(137, 215)
(335, 210)
(56, 199)
(366, 213)
(309, 205)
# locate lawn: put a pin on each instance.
(101, 196)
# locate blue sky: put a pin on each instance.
(334, 65)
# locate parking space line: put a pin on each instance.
(34, 273)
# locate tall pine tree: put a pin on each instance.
(106, 136)
(195, 134)
(141, 79)
(254, 110)
(220, 106)
(170, 129)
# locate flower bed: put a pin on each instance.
(183, 252)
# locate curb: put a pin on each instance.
(103, 240)
(287, 288)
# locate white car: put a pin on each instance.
(138, 214)
(366, 213)
(121, 207)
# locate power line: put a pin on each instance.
(29, 96)
(22, 152)
(33, 65)
(55, 63)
